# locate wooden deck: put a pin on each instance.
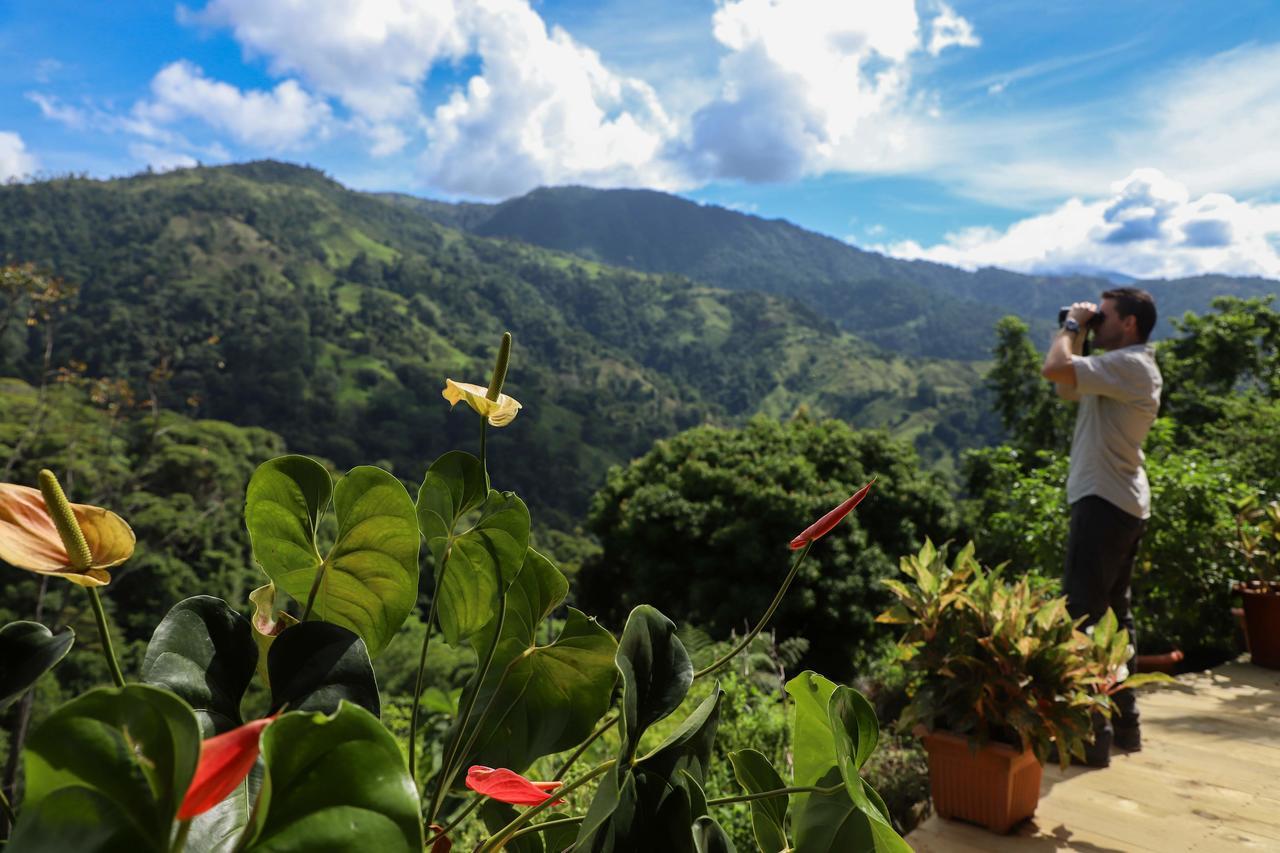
(1207, 779)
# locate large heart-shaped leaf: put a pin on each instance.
(107, 771)
(315, 665)
(478, 555)
(768, 816)
(541, 699)
(855, 732)
(335, 782)
(27, 651)
(689, 747)
(368, 582)
(204, 651)
(656, 674)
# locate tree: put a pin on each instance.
(1028, 406)
(700, 526)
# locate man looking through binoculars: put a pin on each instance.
(1118, 392)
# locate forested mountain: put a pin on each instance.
(268, 295)
(912, 307)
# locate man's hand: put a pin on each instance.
(1058, 367)
(1082, 313)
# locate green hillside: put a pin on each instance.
(264, 294)
(912, 307)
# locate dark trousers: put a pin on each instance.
(1102, 546)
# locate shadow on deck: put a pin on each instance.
(1207, 779)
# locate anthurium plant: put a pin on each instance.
(166, 761)
(994, 659)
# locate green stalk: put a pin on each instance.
(459, 818)
(114, 665)
(546, 825)
(768, 614)
(582, 748)
(7, 809)
(776, 792)
(180, 842)
(315, 588)
(447, 770)
(497, 840)
(422, 668)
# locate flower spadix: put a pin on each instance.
(73, 541)
(499, 412)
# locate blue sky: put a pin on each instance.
(1132, 136)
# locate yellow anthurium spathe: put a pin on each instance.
(499, 412)
(29, 538)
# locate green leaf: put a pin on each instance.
(107, 771)
(369, 580)
(497, 815)
(708, 837)
(769, 816)
(335, 782)
(315, 665)
(548, 698)
(608, 825)
(855, 731)
(454, 485)
(828, 822)
(689, 747)
(656, 673)
(27, 651)
(219, 829)
(812, 744)
(204, 651)
(492, 548)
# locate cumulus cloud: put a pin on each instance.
(15, 161)
(1149, 227)
(544, 109)
(813, 85)
(277, 119)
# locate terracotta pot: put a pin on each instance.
(1262, 622)
(1166, 663)
(996, 787)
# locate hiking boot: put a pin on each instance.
(1128, 738)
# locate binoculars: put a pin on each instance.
(1094, 322)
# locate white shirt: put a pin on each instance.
(1119, 399)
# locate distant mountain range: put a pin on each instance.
(911, 307)
(269, 295)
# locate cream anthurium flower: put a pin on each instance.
(29, 538)
(499, 412)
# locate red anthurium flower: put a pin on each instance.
(508, 786)
(823, 526)
(225, 760)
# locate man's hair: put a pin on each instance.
(1135, 302)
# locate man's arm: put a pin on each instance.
(1058, 367)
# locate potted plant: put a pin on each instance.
(1258, 542)
(1001, 679)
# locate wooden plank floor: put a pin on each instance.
(1207, 779)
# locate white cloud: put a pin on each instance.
(281, 118)
(16, 162)
(373, 55)
(1149, 227)
(544, 110)
(160, 159)
(811, 86)
(950, 30)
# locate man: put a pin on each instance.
(1118, 394)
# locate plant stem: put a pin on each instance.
(582, 748)
(459, 818)
(497, 840)
(546, 825)
(776, 792)
(8, 810)
(116, 675)
(484, 462)
(181, 841)
(768, 614)
(315, 588)
(447, 770)
(422, 668)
